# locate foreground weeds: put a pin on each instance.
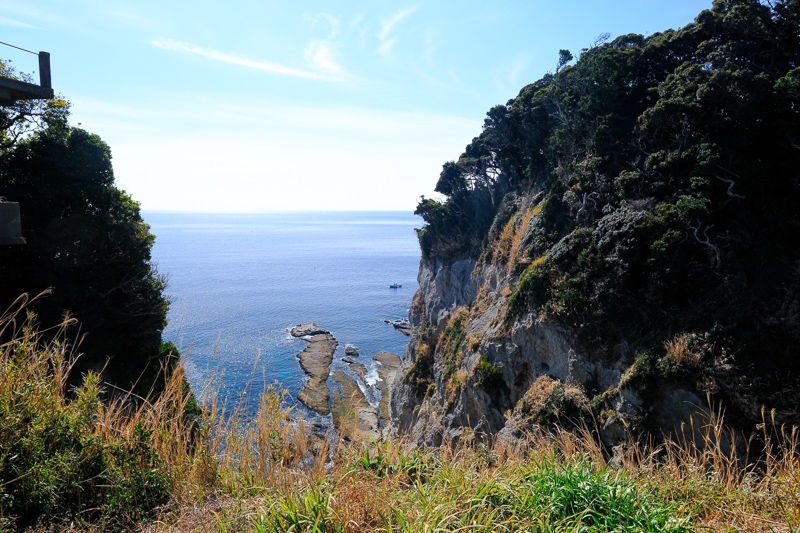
(83, 459)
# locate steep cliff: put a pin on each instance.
(619, 244)
(469, 372)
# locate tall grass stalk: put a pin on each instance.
(82, 458)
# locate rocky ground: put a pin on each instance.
(315, 361)
(355, 418)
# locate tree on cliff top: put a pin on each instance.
(660, 176)
(85, 238)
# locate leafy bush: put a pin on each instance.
(451, 342)
(489, 376)
(86, 239)
(56, 462)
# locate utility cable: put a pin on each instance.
(18, 48)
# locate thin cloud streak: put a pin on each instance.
(387, 41)
(216, 55)
(393, 21)
(16, 24)
(321, 54)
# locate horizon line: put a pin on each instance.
(276, 212)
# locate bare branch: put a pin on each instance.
(730, 187)
(707, 242)
(587, 196)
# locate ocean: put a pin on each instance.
(239, 282)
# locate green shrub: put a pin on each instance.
(451, 341)
(533, 290)
(57, 460)
(489, 376)
(576, 497)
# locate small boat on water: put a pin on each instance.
(395, 286)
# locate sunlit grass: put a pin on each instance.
(155, 469)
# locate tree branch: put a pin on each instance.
(730, 187)
(587, 196)
(707, 242)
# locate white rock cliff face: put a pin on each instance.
(521, 352)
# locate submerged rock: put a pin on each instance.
(351, 350)
(359, 369)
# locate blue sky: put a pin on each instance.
(257, 106)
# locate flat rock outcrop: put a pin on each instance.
(401, 324)
(304, 330)
(355, 419)
(387, 360)
(387, 365)
(315, 361)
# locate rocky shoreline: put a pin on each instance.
(352, 414)
(315, 361)
(401, 324)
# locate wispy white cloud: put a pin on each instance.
(356, 21)
(258, 64)
(361, 28)
(321, 54)
(16, 24)
(430, 47)
(385, 35)
(393, 21)
(520, 64)
(385, 48)
(314, 20)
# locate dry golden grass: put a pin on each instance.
(228, 472)
(505, 248)
(397, 488)
(679, 351)
(474, 341)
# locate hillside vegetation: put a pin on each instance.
(88, 247)
(647, 196)
(72, 462)
(644, 197)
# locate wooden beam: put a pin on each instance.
(11, 90)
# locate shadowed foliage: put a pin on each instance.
(664, 174)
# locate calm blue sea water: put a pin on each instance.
(239, 282)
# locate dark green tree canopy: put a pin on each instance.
(86, 239)
(666, 175)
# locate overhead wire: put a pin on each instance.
(18, 48)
